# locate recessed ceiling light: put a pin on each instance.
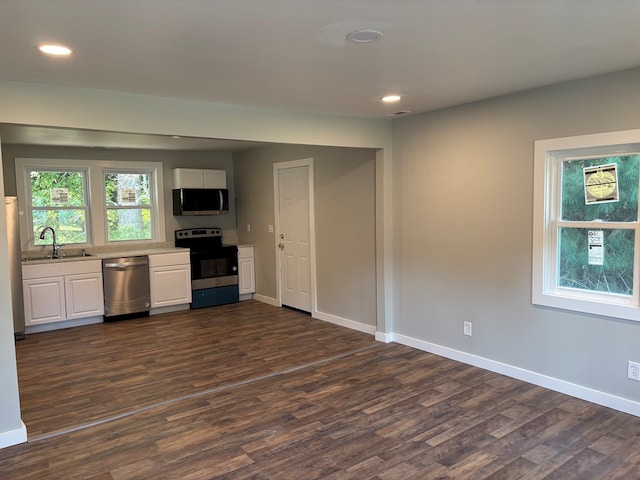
(391, 98)
(57, 50)
(364, 36)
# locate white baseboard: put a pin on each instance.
(344, 322)
(169, 309)
(46, 327)
(384, 337)
(13, 437)
(585, 393)
(265, 299)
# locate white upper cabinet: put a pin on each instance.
(199, 178)
(215, 178)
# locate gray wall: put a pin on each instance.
(170, 160)
(464, 183)
(345, 223)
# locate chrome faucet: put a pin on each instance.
(55, 246)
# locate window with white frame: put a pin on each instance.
(90, 203)
(586, 230)
(129, 211)
(58, 199)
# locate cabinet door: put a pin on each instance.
(188, 178)
(246, 276)
(215, 178)
(84, 296)
(44, 300)
(170, 285)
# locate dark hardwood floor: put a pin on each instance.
(250, 391)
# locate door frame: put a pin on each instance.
(305, 162)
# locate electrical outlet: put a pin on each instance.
(467, 328)
(633, 371)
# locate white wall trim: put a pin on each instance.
(384, 337)
(13, 437)
(344, 322)
(265, 299)
(169, 309)
(585, 393)
(76, 322)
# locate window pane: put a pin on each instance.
(128, 224)
(69, 225)
(574, 206)
(616, 273)
(127, 189)
(56, 189)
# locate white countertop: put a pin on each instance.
(75, 256)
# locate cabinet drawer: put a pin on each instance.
(245, 251)
(214, 296)
(53, 269)
(167, 259)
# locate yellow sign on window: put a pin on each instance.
(601, 184)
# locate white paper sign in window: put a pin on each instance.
(59, 196)
(127, 195)
(596, 247)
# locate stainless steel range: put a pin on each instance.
(214, 266)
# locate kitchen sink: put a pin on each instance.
(41, 258)
(76, 255)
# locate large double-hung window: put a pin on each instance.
(586, 226)
(89, 203)
(58, 199)
(128, 202)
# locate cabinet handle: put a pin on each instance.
(123, 265)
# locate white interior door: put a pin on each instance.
(294, 237)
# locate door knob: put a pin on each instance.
(281, 246)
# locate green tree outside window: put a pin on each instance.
(616, 273)
(67, 215)
(128, 204)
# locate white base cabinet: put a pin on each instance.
(71, 292)
(246, 271)
(170, 277)
(44, 300)
(56, 292)
(84, 296)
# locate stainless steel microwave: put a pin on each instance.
(200, 201)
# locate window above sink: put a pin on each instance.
(90, 203)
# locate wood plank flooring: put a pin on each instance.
(250, 391)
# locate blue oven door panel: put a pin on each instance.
(209, 297)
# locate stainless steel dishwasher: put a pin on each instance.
(126, 286)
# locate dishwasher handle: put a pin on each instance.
(124, 264)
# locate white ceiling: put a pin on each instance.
(293, 54)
